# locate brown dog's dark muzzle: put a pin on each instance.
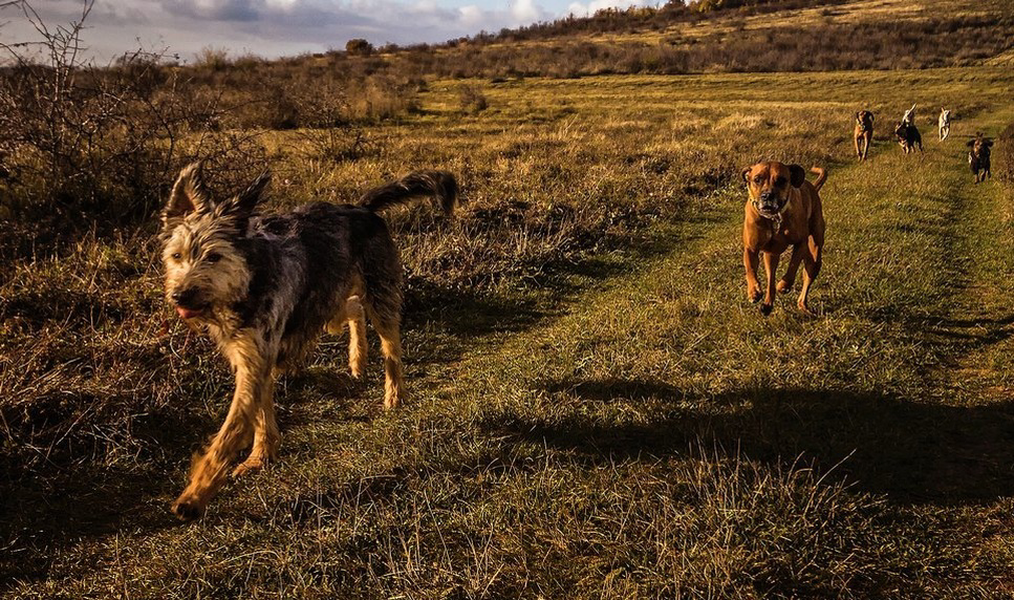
(768, 203)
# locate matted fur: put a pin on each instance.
(265, 287)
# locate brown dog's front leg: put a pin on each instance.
(750, 261)
(770, 265)
(209, 472)
(789, 279)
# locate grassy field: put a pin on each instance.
(596, 410)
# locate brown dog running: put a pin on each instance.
(863, 133)
(783, 210)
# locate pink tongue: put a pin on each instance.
(186, 313)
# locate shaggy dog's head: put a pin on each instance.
(203, 241)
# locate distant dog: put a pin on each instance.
(978, 157)
(909, 116)
(908, 137)
(265, 287)
(863, 133)
(783, 210)
(944, 124)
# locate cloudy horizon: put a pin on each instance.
(274, 28)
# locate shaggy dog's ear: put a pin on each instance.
(248, 200)
(798, 175)
(746, 172)
(242, 206)
(188, 196)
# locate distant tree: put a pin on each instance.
(359, 47)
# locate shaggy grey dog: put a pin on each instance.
(265, 287)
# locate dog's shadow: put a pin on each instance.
(913, 452)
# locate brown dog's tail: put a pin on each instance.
(821, 177)
(440, 185)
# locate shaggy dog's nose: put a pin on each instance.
(185, 298)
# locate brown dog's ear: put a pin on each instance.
(970, 143)
(798, 175)
(988, 142)
(746, 172)
(188, 196)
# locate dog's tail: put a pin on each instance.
(440, 185)
(821, 177)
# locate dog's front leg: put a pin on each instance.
(209, 471)
(770, 265)
(266, 437)
(789, 279)
(751, 259)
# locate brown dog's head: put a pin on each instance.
(769, 184)
(864, 119)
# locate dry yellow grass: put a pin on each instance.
(596, 410)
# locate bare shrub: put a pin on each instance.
(1003, 157)
(359, 47)
(94, 147)
(471, 100)
(211, 58)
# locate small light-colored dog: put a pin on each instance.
(944, 124)
(783, 210)
(909, 117)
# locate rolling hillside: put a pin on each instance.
(595, 409)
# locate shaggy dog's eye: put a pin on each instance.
(214, 257)
(177, 256)
(758, 180)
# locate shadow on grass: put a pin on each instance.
(911, 451)
(60, 505)
(455, 316)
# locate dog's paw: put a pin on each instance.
(754, 295)
(766, 309)
(805, 310)
(785, 286)
(188, 508)
(250, 465)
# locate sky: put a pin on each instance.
(272, 28)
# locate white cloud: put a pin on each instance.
(582, 10)
(471, 15)
(525, 11)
